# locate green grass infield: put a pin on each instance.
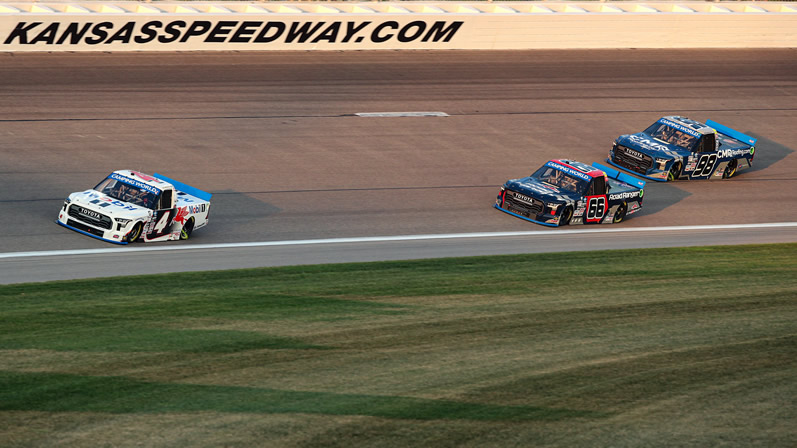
(655, 347)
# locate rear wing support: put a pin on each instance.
(196, 192)
(731, 132)
(622, 177)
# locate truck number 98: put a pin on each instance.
(705, 165)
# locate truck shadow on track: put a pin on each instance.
(767, 153)
(230, 207)
(661, 195)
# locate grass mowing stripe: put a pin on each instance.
(74, 393)
(653, 347)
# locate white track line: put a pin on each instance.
(379, 239)
(401, 114)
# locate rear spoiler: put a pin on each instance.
(196, 192)
(731, 132)
(622, 177)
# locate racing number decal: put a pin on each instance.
(161, 223)
(705, 165)
(596, 208)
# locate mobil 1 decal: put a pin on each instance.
(154, 32)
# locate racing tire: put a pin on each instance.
(619, 215)
(567, 215)
(730, 169)
(675, 172)
(135, 234)
(185, 233)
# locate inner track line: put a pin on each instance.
(465, 114)
(381, 239)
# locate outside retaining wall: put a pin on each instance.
(194, 26)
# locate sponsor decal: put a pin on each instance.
(647, 143)
(229, 31)
(681, 127)
(635, 154)
(519, 196)
(579, 211)
(89, 213)
(537, 188)
(732, 152)
(182, 214)
(194, 209)
(568, 170)
(625, 195)
(105, 201)
(135, 183)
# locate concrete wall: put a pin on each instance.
(194, 26)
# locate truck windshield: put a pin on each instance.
(560, 179)
(126, 192)
(671, 136)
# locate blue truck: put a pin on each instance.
(563, 192)
(677, 147)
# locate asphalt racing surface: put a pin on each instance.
(276, 138)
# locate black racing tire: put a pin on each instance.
(619, 215)
(567, 215)
(135, 234)
(185, 233)
(675, 172)
(730, 169)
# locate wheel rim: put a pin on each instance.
(730, 170)
(620, 215)
(135, 233)
(673, 173)
(187, 228)
(567, 215)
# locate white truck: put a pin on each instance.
(128, 206)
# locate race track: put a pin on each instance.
(275, 137)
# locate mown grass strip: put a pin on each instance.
(557, 346)
(76, 393)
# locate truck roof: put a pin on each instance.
(692, 127)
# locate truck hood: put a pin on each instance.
(94, 200)
(538, 190)
(646, 144)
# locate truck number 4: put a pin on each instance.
(162, 223)
(161, 226)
